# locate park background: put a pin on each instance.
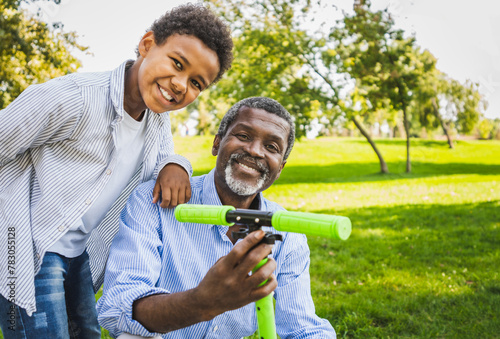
(397, 131)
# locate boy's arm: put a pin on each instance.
(42, 114)
(295, 311)
(173, 172)
(133, 303)
(172, 185)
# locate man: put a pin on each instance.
(192, 280)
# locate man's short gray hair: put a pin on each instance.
(266, 104)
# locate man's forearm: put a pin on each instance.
(169, 312)
(226, 286)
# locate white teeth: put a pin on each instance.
(249, 168)
(165, 94)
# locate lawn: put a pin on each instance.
(424, 255)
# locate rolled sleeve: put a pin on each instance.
(174, 159)
(133, 265)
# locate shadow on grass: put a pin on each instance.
(412, 271)
(369, 172)
(414, 142)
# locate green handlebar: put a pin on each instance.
(329, 226)
(203, 214)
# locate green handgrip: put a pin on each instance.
(203, 214)
(265, 312)
(331, 226)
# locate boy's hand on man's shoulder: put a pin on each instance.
(172, 186)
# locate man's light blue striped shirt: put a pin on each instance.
(153, 253)
(57, 153)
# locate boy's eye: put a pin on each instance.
(196, 84)
(177, 63)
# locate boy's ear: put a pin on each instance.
(147, 41)
(215, 145)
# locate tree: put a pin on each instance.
(298, 66)
(31, 51)
(387, 66)
(445, 102)
(362, 68)
(464, 105)
(485, 129)
(268, 61)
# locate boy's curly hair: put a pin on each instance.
(201, 22)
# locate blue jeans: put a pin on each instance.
(65, 303)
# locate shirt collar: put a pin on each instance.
(117, 87)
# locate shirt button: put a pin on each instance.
(108, 172)
(60, 228)
(38, 256)
(216, 328)
(88, 201)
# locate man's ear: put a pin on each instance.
(215, 145)
(281, 169)
(147, 41)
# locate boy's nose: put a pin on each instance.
(179, 85)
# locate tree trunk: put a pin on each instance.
(383, 165)
(445, 129)
(407, 131)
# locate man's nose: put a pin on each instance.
(255, 148)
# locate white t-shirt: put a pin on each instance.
(130, 138)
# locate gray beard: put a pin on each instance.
(240, 187)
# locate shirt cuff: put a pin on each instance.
(174, 159)
(125, 323)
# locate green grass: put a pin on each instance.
(424, 255)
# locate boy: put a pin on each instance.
(72, 149)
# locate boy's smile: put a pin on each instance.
(170, 76)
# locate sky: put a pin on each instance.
(463, 35)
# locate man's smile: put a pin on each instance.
(248, 168)
(248, 165)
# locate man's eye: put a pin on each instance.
(272, 148)
(242, 136)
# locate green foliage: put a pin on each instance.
(31, 51)
(364, 70)
(485, 129)
(465, 104)
(269, 58)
